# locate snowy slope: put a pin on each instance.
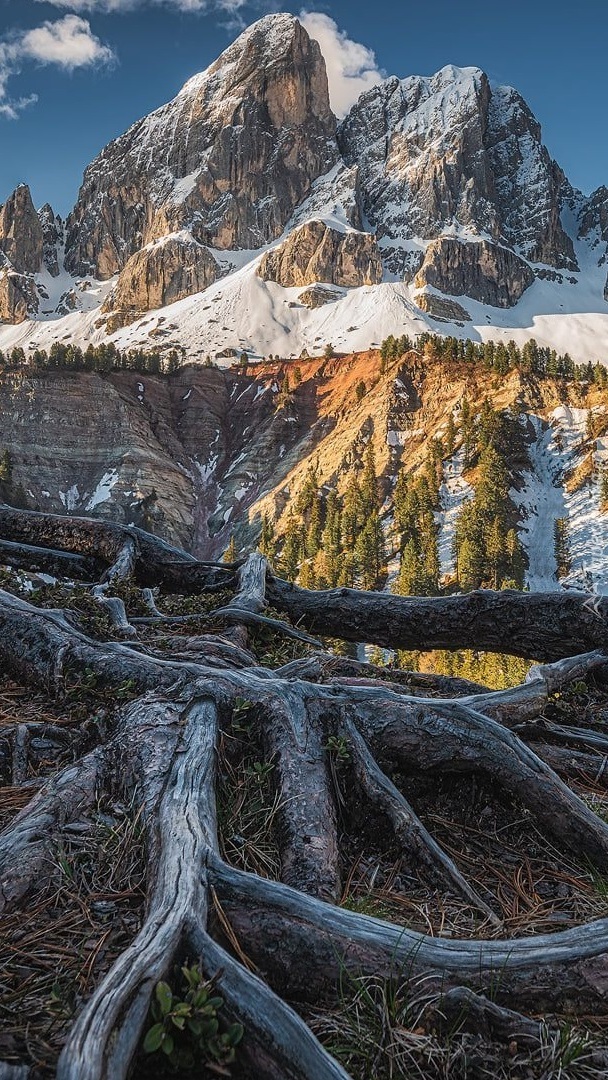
(556, 450)
(453, 494)
(541, 502)
(243, 312)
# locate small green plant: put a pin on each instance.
(337, 746)
(62, 1000)
(125, 689)
(242, 716)
(260, 770)
(188, 1028)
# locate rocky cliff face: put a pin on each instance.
(28, 244)
(315, 252)
(201, 455)
(18, 296)
(438, 181)
(184, 456)
(160, 274)
(593, 225)
(232, 155)
(21, 237)
(450, 151)
(52, 238)
(485, 272)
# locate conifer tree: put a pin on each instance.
(267, 544)
(292, 549)
(230, 555)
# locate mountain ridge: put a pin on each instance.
(443, 180)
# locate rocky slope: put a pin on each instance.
(207, 212)
(453, 151)
(230, 157)
(202, 455)
(316, 253)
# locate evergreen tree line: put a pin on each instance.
(487, 550)
(415, 502)
(486, 545)
(332, 539)
(102, 359)
(496, 356)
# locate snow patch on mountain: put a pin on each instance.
(556, 450)
(454, 492)
(541, 502)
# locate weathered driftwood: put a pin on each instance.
(163, 748)
(541, 626)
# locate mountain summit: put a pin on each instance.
(433, 205)
(229, 158)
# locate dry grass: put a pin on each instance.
(56, 949)
(582, 475)
(388, 1030)
(247, 802)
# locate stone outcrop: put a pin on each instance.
(593, 225)
(593, 215)
(232, 155)
(18, 296)
(52, 236)
(318, 296)
(21, 237)
(442, 309)
(484, 271)
(68, 301)
(433, 152)
(315, 252)
(160, 274)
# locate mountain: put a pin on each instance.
(434, 205)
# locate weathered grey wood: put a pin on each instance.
(13, 1072)
(115, 610)
(307, 813)
(156, 561)
(21, 740)
(47, 561)
(462, 1009)
(407, 826)
(539, 626)
(104, 1038)
(124, 564)
(286, 1048)
(26, 842)
(148, 598)
(330, 668)
(233, 616)
(283, 930)
(574, 764)
(449, 735)
(527, 701)
(164, 749)
(251, 595)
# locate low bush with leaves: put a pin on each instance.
(188, 1028)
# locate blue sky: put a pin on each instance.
(75, 73)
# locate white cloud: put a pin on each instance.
(67, 43)
(351, 67)
(109, 6)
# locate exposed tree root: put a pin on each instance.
(297, 726)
